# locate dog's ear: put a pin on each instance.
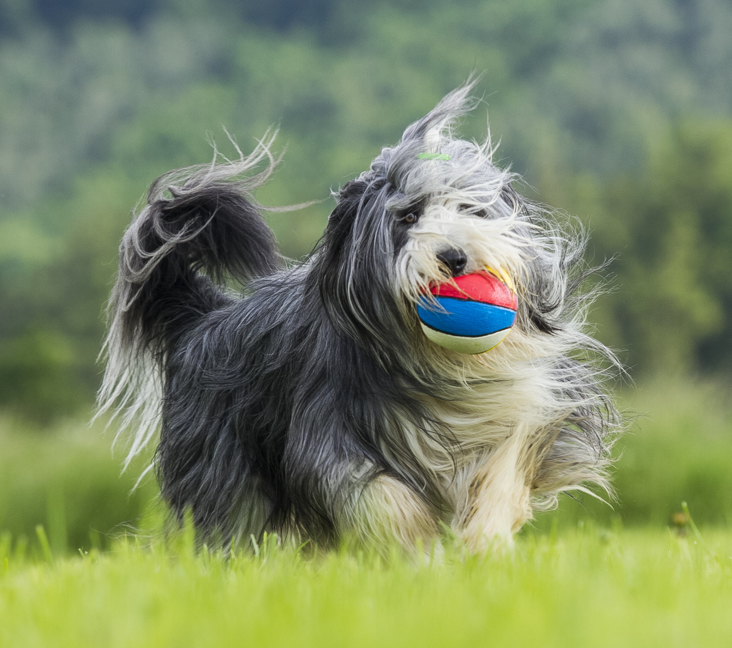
(352, 266)
(338, 233)
(350, 197)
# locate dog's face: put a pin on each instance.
(459, 215)
(430, 208)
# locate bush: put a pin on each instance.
(67, 479)
(678, 448)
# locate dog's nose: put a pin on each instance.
(453, 260)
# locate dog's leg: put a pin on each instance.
(498, 501)
(387, 510)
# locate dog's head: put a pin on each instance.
(428, 209)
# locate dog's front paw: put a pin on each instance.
(388, 511)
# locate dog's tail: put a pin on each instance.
(200, 226)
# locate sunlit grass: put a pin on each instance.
(580, 588)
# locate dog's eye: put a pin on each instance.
(411, 218)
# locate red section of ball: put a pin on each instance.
(481, 287)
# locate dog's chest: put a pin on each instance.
(476, 422)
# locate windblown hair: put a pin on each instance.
(312, 405)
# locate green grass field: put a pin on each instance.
(581, 588)
(586, 575)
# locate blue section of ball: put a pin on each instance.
(464, 318)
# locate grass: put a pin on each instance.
(580, 588)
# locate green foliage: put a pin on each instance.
(586, 96)
(36, 374)
(670, 227)
(69, 482)
(678, 448)
(648, 589)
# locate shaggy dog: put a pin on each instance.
(312, 405)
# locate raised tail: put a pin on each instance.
(199, 227)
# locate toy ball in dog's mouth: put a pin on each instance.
(471, 313)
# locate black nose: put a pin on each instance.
(453, 261)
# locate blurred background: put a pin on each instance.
(616, 111)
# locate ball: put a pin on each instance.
(471, 313)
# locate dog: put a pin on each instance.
(312, 405)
